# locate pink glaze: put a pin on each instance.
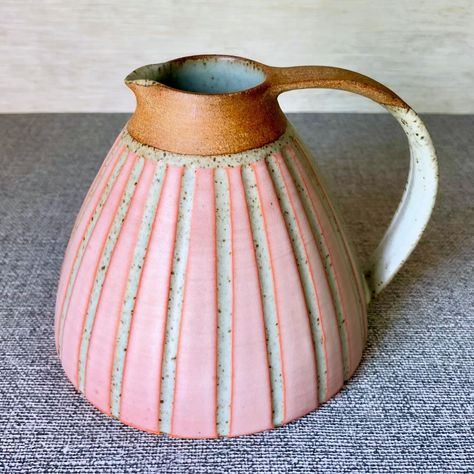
(142, 372)
(251, 397)
(80, 226)
(104, 330)
(356, 275)
(345, 283)
(296, 346)
(82, 288)
(194, 405)
(325, 303)
(114, 152)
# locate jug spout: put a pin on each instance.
(205, 105)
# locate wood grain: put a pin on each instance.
(61, 56)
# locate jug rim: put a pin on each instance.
(208, 104)
(154, 73)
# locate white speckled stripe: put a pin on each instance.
(348, 254)
(85, 241)
(224, 301)
(175, 299)
(132, 286)
(103, 267)
(270, 310)
(316, 228)
(207, 161)
(307, 280)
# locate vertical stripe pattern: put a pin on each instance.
(102, 269)
(251, 390)
(83, 244)
(270, 309)
(175, 299)
(100, 355)
(309, 285)
(194, 400)
(132, 287)
(320, 236)
(347, 252)
(206, 299)
(224, 301)
(298, 358)
(141, 382)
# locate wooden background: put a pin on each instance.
(64, 55)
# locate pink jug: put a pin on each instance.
(209, 287)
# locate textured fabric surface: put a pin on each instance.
(409, 408)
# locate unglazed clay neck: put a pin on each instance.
(205, 105)
(215, 105)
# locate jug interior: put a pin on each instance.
(207, 75)
(205, 105)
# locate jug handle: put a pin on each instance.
(416, 205)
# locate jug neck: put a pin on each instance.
(205, 105)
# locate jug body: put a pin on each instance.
(212, 293)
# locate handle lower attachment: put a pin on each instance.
(416, 205)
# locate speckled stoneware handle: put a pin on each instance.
(418, 199)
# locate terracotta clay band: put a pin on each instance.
(203, 123)
(323, 77)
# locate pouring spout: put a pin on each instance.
(205, 105)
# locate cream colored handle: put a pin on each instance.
(416, 205)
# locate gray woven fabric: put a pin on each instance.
(409, 407)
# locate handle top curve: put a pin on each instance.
(282, 79)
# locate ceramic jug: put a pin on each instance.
(209, 287)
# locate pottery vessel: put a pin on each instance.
(209, 287)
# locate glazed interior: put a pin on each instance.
(205, 105)
(203, 75)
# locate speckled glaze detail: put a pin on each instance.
(102, 268)
(218, 295)
(175, 300)
(133, 283)
(304, 267)
(224, 301)
(416, 205)
(293, 282)
(62, 308)
(327, 237)
(267, 284)
(348, 252)
(211, 161)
